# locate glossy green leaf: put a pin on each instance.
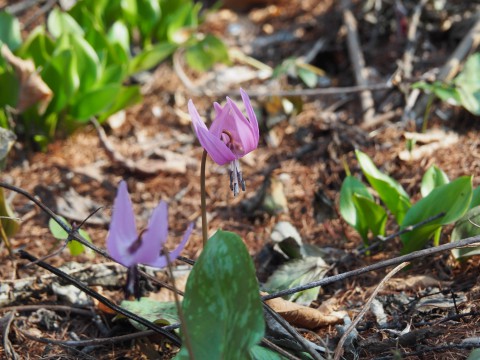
(390, 191)
(10, 31)
(222, 307)
(150, 58)
(159, 312)
(127, 96)
(118, 33)
(467, 226)
(453, 199)
(433, 178)
(348, 210)
(468, 84)
(87, 62)
(94, 102)
(59, 233)
(475, 198)
(295, 273)
(38, 46)
(372, 214)
(204, 54)
(60, 23)
(148, 14)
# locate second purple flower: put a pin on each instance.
(231, 136)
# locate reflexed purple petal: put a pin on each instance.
(216, 148)
(251, 114)
(196, 119)
(154, 237)
(123, 231)
(218, 108)
(162, 260)
(242, 130)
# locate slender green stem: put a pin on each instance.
(203, 195)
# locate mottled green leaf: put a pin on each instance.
(433, 178)
(390, 191)
(452, 199)
(222, 308)
(204, 54)
(295, 273)
(159, 312)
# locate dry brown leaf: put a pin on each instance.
(415, 282)
(304, 316)
(32, 88)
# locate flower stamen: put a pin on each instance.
(236, 178)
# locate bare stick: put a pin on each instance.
(469, 242)
(357, 60)
(339, 349)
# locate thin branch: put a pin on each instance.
(161, 330)
(469, 242)
(339, 349)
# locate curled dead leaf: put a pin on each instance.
(32, 89)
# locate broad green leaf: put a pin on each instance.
(60, 23)
(62, 78)
(445, 92)
(308, 77)
(467, 226)
(127, 96)
(390, 191)
(433, 178)
(222, 307)
(261, 353)
(350, 213)
(38, 46)
(10, 31)
(176, 15)
(118, 33)
(162, 313)
(453, 199)
(149, 58)
(8, 88)
(204, 54)
(148, 15)
(87, 62)
(59, 233)
(468, 84)
(475, 198)
(372, 214)
(295, 273)
(94, 102)
(474, 355)
(9, 223)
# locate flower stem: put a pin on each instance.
(203, 195)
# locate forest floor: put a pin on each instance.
(300, 163)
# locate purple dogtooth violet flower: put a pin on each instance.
(230, 137)
(129, 248)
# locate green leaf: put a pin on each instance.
(38, 46)
(148, 16)
(261, 353)
(374, 216)
(75, 247)
(149, 58)
(94, 102)
(118, 33)
(308, 77)
(445, 92)
(468, 84)
(295, 273)
(475, 198)
(350, 213)
(222, 296)
(8, 88)
(9, 223)
(467, 226)
(161, 313)
(433, 178)
(60, 23)
(390, 191)
(453, 199)
(10, 31)
(127, 96)
(474, 355)
(87, 62)
(204, 54)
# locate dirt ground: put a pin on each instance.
(300, 156)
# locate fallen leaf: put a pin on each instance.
(32, 88)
